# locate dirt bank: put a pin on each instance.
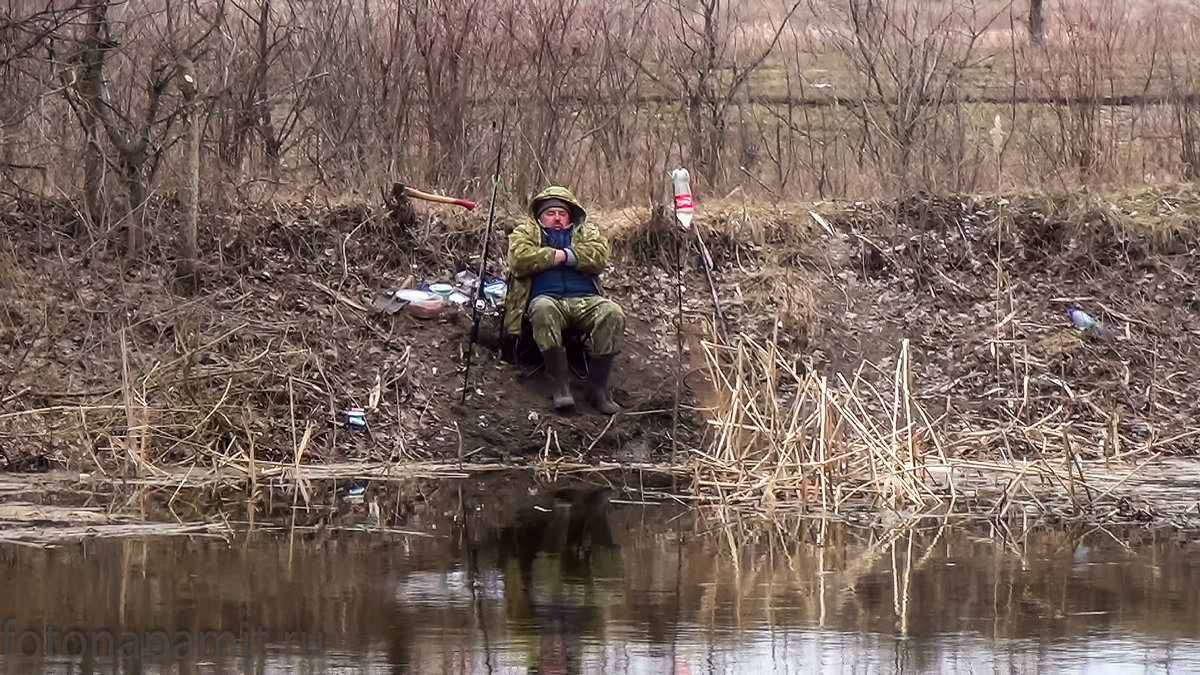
(981, 287)
(106, 365)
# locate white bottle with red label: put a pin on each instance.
(684, 207)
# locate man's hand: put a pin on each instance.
(560, 256)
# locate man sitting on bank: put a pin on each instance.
(554, 260)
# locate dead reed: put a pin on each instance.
(782, 437)
(779, 433)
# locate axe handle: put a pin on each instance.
(417, 194)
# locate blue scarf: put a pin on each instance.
(561, 281)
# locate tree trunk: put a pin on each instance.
(188, 272)
(88, 84)
(260, 100)
(699, 139)
(1036, 27)
(135, 183)
(93, 176)
(89, 90)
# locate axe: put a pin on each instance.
(399, 190)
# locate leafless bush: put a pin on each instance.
(1185, 108)
(909, 58)
(709, 50)
(845, 99)
(244, 77)
(1077, 73)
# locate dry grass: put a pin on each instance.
(780, 435)
(781, 438)
(239, 386)
(979, 284)
(641, 236)
(13, 278)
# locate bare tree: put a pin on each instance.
(1079, 71)
(611, 85)
(444, 31)
(910, 58)
(1181, 73)
(246, 97)
(131, 118)
(188, 272)
(24, 30)
(708, 58)
(326, 95)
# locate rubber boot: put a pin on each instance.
(600, 367)
(555, 359)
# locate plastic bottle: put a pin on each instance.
(684, 207)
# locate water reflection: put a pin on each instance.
(558, 578)
(564, 569)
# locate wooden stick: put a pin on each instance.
(430, 197)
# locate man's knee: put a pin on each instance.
(613, 317)
(546, 321)
(544, 312)
(609, 328)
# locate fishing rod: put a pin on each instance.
(683, 196)
(684, 210)
(479, 304)
(722, 328)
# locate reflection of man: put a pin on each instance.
(555, 552)
(554, 655)
(554, 259)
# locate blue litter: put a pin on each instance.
(355, 417)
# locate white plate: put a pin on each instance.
(415, 295)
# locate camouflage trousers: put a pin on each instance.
(599, 317)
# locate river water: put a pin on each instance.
(540, 579)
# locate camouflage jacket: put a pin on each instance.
(527, 254)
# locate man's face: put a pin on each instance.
(555, 218)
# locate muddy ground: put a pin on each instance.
(108, 364)
(105, 363)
